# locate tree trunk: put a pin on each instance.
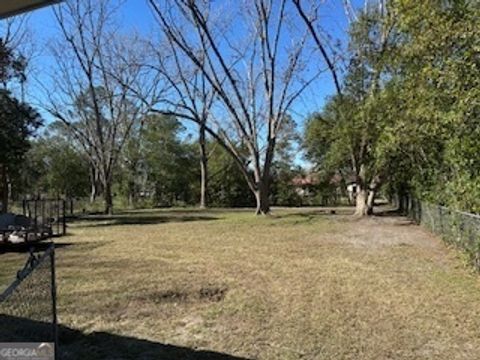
(93, 193)
(370, 201)
(373, 188)
(131, 194)
(108, 198)
(361, 201)
(263, 202)
(4, 190)
(401, 202)
(361, 192)
(203, 169)
(93, 185)
(262, 197)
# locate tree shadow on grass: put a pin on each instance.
(74, 344)
(21, 248)
(329, 212)
(138, 219)
(389, 212)
(400, 216)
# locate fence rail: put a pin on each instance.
(28, 306)
(457, 228)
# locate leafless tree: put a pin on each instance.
(192, 98)
(254, 62)
(98, 109)
(311, 18)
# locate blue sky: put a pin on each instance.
(136, 15)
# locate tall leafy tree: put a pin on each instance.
(227, 187)
(54, 167)
(18, 121)
(439, 73)
(353, 121)
(170, 162)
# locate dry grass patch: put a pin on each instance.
(299, 284)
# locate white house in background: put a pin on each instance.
(304, 184)
(15, 7)
(352, 192)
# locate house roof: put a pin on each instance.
(15, 7)
(307, 180)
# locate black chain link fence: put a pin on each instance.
(28, 305)
(457, 228)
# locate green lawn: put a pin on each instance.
(301, 284)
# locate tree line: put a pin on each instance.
(406, 118)
(159, 166)
(403, 119)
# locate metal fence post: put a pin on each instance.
(64, 223)
(54, 301)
